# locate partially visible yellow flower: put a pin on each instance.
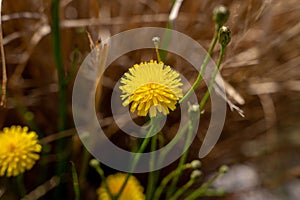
(132, 191)
(18, 150)
(151, 87)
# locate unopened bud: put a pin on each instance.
(220, 15)
(224, 35)
(193, 107)
(196, 174)
(223, 169)
(156, 39)
(196, 164)
(94, 163)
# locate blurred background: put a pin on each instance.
(261, 64)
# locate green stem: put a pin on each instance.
(153, 176)
(101, 173)
(173, 143)
(84, 166)
(184, 188)
(137, 156)
(20, 184)
(156, 45)
(166, 180)
(158, 56)
(75, 182)
(203, 67)
(61, 164)
(59, 66)
(205, 186)
(179, 169)
(166, 42)
(212, 81)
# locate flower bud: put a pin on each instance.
(196, 164)
(196, 174)
(224, 35)
(156, 39)
(193, 108)
(223, 169)
(94, 163)
(220, 15)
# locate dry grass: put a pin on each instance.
(261, 63)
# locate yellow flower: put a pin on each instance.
(132, 191)
(151, 87)
(18, 150)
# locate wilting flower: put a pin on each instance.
(151, 87)
(18, 150)
(132, 191)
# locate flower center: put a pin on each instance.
(12, 147)
(154, 92)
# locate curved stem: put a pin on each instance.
(204, 187)
(203, 67)
(137, 157)
(212, 81)
(75, 182)
(166, 180)
(101, 173)
(184, 188)
(193, 115)
(173, 143)
(152, 178)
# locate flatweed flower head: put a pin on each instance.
(19, 150)
(151, 87)
(132, 191)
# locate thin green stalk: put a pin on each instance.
(20, 184)
(214, 192)
(157, 54)
(156, 45)
(84, 166)
(211, 84)
(137, 157)
(96, 165)
(75, 182)
(203, 67)
(173, 143)
(191, 123)
(167, 36)
(59, 66)
(202, 190)
(166, 180)
(153, 176)
(166, 42)
(205, 186)
(178, 172)
(184, 188)
(62, 99)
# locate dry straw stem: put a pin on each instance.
(4, 75)
(263, 58)
(42, 29)
(175, 10)
(146, 18)
(43, 189)
(57, 136)
(102, 52)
